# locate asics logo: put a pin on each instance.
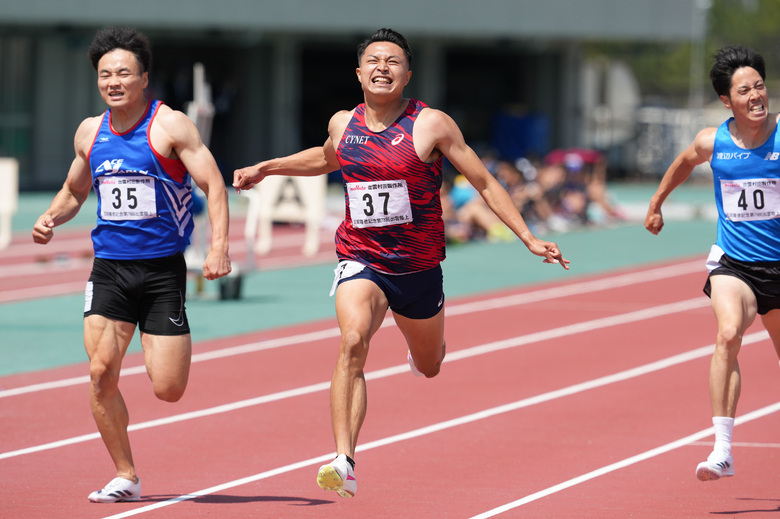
(397, 140)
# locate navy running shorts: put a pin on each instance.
(417, 295)
(148, 292)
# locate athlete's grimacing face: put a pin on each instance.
(120, 79)
(383, 68)
(748, 95)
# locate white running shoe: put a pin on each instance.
(416, 372)
(117, 490)
(339, 476)
(719, 464)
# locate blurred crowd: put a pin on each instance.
(565, 190)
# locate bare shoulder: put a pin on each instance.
(338, 123)
(172, 121)
(704, 142)
(433, 118)
(436, 128)
(86, 132)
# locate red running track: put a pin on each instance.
(585, 399)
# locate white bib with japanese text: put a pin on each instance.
(751, 199)
(127, 197)
(378, 204)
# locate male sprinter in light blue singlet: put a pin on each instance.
(139, 157)
(744, 264)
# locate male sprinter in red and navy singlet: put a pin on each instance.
(139, 157)
(393, 218)
(391, 243)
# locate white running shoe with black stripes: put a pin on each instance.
(117, 490)
(719, 464)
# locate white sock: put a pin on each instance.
(724, 426)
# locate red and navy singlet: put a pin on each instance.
(393, 209)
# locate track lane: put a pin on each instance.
(255, 440)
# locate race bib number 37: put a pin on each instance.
(127, 198)
(751, 199)
(377, 204)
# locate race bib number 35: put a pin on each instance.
(127, 198)
(751, 199)
(377, 204)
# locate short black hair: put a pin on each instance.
(127, 38)
(386, 35)
(730, 59)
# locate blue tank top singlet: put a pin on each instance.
(144, 199)
(393, 217)
(747, 195)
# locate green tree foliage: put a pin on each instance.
(663, 69)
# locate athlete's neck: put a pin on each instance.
(122, 119)
(380, 116)
(749, 136)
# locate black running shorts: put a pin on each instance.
(149, 293)
(763, 278)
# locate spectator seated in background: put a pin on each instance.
(574, 183)
(566, 191)
(521, 182)
(467, 216)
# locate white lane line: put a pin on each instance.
(587, 326)
(621, 280)
(488, 413)
(754, 415)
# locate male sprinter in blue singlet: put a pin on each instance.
(390, 151)
(139, 157)
(744, 263)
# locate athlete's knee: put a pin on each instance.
(430, 370)
(354, 348)
(170, 391)
(729, 337)
(103, 380)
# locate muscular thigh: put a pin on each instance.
(106, 340)
(360, 306)
(167, 358)
(732, 301)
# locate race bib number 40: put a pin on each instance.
(127, 198)
(377, 204)
(751, 199)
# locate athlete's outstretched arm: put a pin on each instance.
(439, 131)
(311, 162)
(307, 163)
